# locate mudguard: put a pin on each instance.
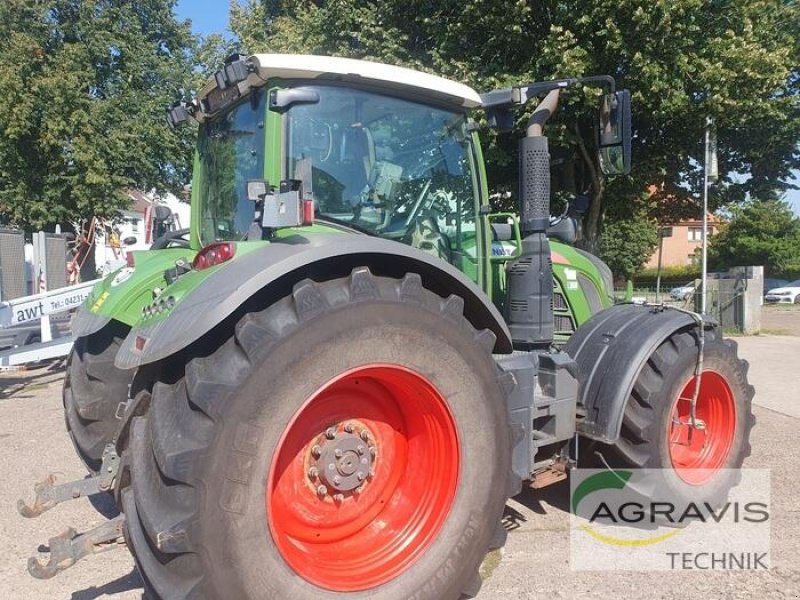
(318, 257)
(610, 350)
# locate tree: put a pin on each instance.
(85, 86)
(628, 243)
(759, 233)
(684, 60)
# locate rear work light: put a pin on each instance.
(214, 254)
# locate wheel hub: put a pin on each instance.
(342, 459)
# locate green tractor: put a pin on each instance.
(333, 385)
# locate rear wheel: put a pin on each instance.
(657, 431)
(93, 390)
(351, 440)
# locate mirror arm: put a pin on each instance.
(612, 84)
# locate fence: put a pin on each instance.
(733, 298)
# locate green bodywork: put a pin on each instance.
(139, 296)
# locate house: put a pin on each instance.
(682, 242)
(136, 223)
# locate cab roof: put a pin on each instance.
(388, 77)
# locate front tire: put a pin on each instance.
(351, 440)
(656, 431)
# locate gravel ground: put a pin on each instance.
(535, 560)
(781, 319)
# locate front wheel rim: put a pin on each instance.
(363, 478)
(697, 454)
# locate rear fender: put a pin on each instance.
(610, 350)
(268, 273)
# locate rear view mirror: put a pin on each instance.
(282, 100)
(614, 133)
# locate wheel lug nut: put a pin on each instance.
(316, 451)
(349, 428)
(321, 491)
(313, 472)
(337, 453)
(364, 435)
(330, 433)
(338, 498)
(337, 480)
(360, 476)
(331, 467)
(360, 449)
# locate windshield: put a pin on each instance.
(388, 166)
(231, 150)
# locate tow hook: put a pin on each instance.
(70, 546)
(48, 494)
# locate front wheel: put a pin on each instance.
(349, 441)
(657, 430)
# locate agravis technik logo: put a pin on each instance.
(646, 520)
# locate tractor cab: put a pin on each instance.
(388, 154)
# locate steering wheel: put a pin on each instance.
(172, 239)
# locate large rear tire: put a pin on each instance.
(351, 440)
(656, 431)
(93, 390)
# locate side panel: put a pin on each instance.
(610, 350)
(319, 257)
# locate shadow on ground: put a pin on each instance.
(131, 581)
(556, 496)
(17, 383)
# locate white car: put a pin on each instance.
(787, 294)
(684, 292)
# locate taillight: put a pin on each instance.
(308, 211)
(213, 254)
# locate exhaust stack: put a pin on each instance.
(529, 307)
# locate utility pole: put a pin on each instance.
(709, 171)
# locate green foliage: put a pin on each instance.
(733, 60)
(85, 84)
(759, 233)
(627, 244)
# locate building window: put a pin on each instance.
(696, 233)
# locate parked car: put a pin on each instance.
(684, 292)
(771, 284)
(786, 294)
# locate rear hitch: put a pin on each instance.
(48, 494)
(69, 547)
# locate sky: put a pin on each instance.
(211, 16)
(207, 16)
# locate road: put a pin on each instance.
(534, 562)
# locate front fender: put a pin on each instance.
(318, 257)
(122, 294)
(610, 350)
